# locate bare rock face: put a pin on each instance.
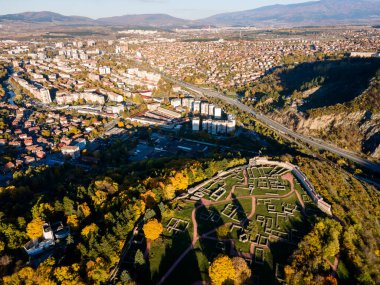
(356, 131)
(376, 153)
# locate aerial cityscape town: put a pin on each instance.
(148, 149)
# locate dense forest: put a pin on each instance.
(355, 234)
(101, 207)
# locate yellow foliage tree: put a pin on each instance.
(242, 271)
(169, 192)
(138, 209)
(96, 271)
(34, 228)
(64, 273)
(99, 197)
(42, 210)
(329, 280)
(27, 275)
(152, 229)
(72, 221)
(179, 181)
(149, 198)
(221, 270)
(89, 229)
(85, 209)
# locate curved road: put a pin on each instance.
(279, 127)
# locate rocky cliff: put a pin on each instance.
(358, 131)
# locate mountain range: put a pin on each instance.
(323, 12)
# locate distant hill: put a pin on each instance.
(44, 17)
(324, 12)
(154, 20)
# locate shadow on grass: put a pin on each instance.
(209, 220)
(187, 270)
(242, 217)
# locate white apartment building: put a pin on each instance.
(88, 97)
(103, 70)
(196, 122)
(204, 108)
(115, 109)
(175, 102)
(217, 113)
(113, 97)
(70, 151)
(196, 106)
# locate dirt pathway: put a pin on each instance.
(195, 225)
(147, 250)
(245, 173)
(289, 177)
(253, 210)
(336, 262)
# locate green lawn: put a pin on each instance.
(157, 253)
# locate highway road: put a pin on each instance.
(280, 128)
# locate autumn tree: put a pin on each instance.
(309, 260)
(222, 270)
(42, 210)
(92, 228)
(72, 221)
(149, 198)
(242, 271)
(96, 271)
(152, 229)
(68, 274)
(84, 210)
(168, 192)
(34, 228)
(328, 280)
(42, 275)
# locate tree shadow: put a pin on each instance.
(209, 220)
(181, 274)
(241, 215)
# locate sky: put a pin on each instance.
(187, 9)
